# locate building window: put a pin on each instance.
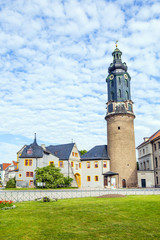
(156, 162)
(80, 165)
(156, 179)
(60, 164)
(143, 151)
(29, 151)
(120, 93)
(119, 79)
(88, 165)
(73, 154)
(141, 166)
(20, 175)
(88, 178)
(155, 147)
(72, 164)
(96, 164)
(76, 166)
(76, 154)
(29, 174)
(159, 145)
(119, 128)
(144, 165)
(140, 153)
(105, 164)
(28, 162)
(96, 178)
(51, 163)
(146, 149)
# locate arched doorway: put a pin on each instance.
(78, 179)
(124, 183)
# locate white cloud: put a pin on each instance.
(54, 61)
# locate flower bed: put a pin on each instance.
(6, 205)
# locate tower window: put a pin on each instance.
(111, 83)
(126, 81)
(119, 127)
(112, 95)
(120, 93)
(119, 79)
(127, 95)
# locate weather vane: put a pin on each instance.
(116, 44)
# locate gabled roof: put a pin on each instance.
(62, 151)
(32, 151)
(151, 138)
(97, 153)
(14, 163)
(5, 165)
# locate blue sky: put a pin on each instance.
(54, 59)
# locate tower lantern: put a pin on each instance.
(120, 123)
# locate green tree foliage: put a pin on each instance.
(51, 175)
(82, 152)
(11, 183)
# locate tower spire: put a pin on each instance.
(116, 43)
(35, 140)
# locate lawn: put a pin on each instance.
(131, 217)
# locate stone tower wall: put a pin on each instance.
(121, 147)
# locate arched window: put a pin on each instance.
(127, 95)
(119, 79)
(124, 183)
(112, 95)
(126, 81)
(117, 55)
(120, 93)
(111, 83)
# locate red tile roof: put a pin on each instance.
(151, 138)
(14, 163)
(5, 165)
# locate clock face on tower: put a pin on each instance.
(125, 76)
(111, 77)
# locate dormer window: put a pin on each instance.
(29, 151)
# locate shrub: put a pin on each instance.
(46, 199)
(11, 183)
(67, 181)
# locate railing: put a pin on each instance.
(30, 195)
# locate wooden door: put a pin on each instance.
(31, 184)
(124, 183)
(105, 181)
(143, 183)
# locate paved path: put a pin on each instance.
(30, 195)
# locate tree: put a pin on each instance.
(51, 175)
(82, 152)
(11, 183)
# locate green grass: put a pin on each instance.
(132, 217)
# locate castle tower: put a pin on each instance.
(120, 124)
